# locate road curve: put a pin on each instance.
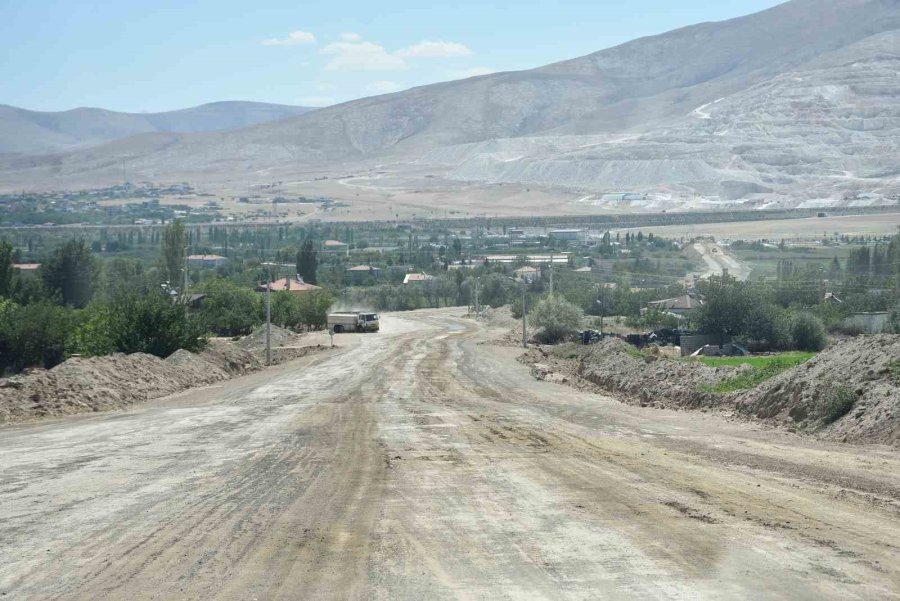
(421, 463)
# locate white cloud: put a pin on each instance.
(383, 87)
(295, 38)
(472, 72)
(351, 37)
(428, 49)
(361, 56)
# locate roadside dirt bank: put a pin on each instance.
(849, 392)
(115, 381)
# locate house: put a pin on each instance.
(528, 274)
(291, 284)
(208, 261)
(681, 305)
(416, 278)
(27, 269)
(359, 273)
(336, 246)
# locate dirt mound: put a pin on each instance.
(115, 381)
(850, 392)
(256, 342)
(95, 384)
(615, 366)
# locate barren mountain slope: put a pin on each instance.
(829, 128)
(657, 88)
(35, 132)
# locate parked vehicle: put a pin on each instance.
(353, 321)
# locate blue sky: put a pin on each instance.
(136, 56)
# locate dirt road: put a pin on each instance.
(422, 464)
(717, 261)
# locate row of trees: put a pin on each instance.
(81, 305)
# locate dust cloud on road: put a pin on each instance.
(421, 463)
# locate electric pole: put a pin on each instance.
(268, 318)
(551, 274)
(524, 315)
(476, 298)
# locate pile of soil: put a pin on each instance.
(614, 366)
(286, 345)
(849, 392)
(81, 385)
(101, 383)
(279, 337)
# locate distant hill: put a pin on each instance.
(793, 104)
(35, 132)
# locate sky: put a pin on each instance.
(139, 56)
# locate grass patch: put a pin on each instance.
(761, 369)
(894, 370)
(634, 352)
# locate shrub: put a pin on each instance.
(838, 404)
(153, 324)
(230, 310)
(93, 335)
(808, 333)
(32, 334)
(557, 318)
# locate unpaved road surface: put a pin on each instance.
(717, 262)
(421, 464)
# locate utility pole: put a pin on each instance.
(268, 318)
(476, 298)
(600, 302)
(551, 274)
(184, 287)
(524, 315)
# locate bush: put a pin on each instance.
(308, 310)
(838, 404)
(808, 333)
(33, 334)
(230, 310)
(557, 318)
(93, 335)
(153, 324)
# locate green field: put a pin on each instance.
(762, 368)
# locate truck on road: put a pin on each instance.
(352, 321)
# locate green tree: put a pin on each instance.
(152, 323)
(72, 272)
(173, 254)
(32, 334)
(808, 333)
(230, 310)
(93, 335)
(557, 318)
(6, 268)
(307, 261)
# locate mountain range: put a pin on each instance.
(37, 132)
(792, 106)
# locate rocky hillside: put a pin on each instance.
(791, 105)
(35, 132)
